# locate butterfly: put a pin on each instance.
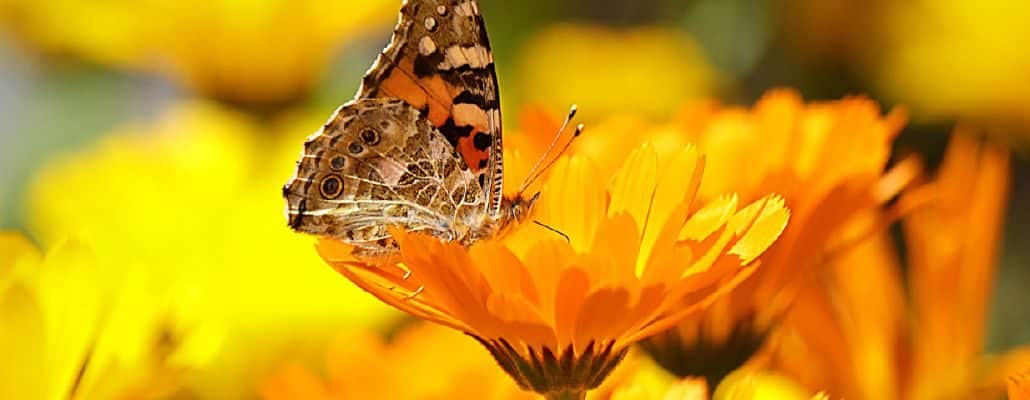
(420, 145)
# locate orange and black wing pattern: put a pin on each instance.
(440, 62)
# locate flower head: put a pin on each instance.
(558, 315)
(826, 159)
(926, 42)
(187, 207)
(564, 65)
(254, 52)
(66, 335)
(929, 343)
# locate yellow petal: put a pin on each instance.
(746, 385)
(633, 186)
(709, 219)
(22, 342)
(761, 223)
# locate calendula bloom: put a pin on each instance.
(923, 340)
(927, 42)
(360, 365)
(67, 336)
(826, 159)
(566, 64)
(559, 315)
(255, 52)
(191, 202)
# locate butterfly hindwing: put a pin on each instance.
(378, 163)
(439, 61)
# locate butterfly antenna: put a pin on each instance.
(538, 172)
(554, 143)
(550, 228)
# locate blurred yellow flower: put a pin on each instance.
(559, 315)
(192, 202)
(605, 71)
(64, 337)
(422, 362)
(826, 159)
(688, 389)
(750, 385)
(643, 384)
(950, 58)
(859, 336)
(253, 52)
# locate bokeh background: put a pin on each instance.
(176, 122)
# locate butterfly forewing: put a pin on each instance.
(439, 61)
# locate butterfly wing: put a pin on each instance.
(439, 61)
(379, 163)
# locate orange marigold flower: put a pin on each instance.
(559, 315)
(826, 159)
(923, 340)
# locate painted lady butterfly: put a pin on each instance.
(420, 145)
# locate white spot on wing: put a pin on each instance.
(426, 46)
(457, 56)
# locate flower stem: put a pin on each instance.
(566, 395)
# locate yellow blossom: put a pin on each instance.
(649, 70)
(950, 58)
(191, 203)
(646, 381)
(254, 52)
(558, 315)
(928, 344)
(65, 337)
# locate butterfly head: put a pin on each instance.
(519, 207)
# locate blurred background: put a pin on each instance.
(132, 123)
